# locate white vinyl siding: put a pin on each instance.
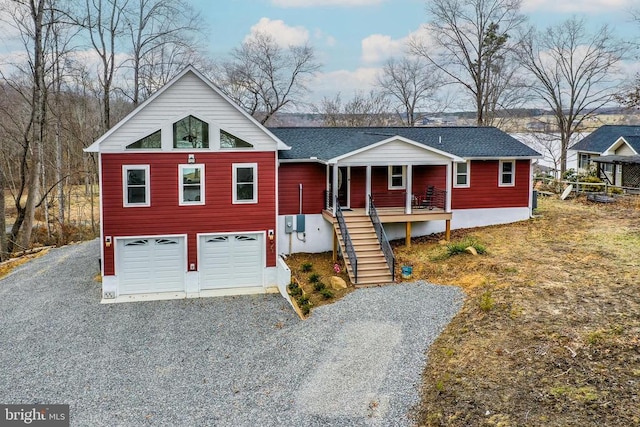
(395, 152)
(462, 177)
(188, 96)
(136, 186)
(507, 173)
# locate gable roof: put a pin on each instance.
(605, 136)
(325, 143)
(95, 147)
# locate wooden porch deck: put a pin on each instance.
(397, 214)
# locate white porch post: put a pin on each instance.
(368, 189)
(449, 186)
(409, 188)
(334, 192)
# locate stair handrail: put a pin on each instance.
(382, 238)
(346, 238)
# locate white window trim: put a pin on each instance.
(125, 192)
(235, 182)
(467, 174)
(181, 201)
(404, 178)
(513, 174)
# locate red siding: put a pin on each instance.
(165, 216)
(424, 176)
(484, 191)
(312, 176)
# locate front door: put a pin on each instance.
(344, 177)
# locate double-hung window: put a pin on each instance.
(191, 184)
(462, 178)
(135, 182)
(245, 183)
(397, 177)
(507, 176)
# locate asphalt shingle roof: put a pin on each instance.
(328, 142)
(603, 137)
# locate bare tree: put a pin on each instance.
(411, 83)
(472, 48)
(574, 73)
(264, 77)
(154, 28)
(104, 22)
(362, 110)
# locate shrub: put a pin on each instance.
(326, 293)
(456, 248)
(294, 289)
(305, 309)
(306, 267)
(319, 286)
(302, 300)
(314, 278)
(486, 301)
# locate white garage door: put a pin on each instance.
(155, 264)
(231, 261)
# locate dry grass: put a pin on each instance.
(550, 331)
(8, 266)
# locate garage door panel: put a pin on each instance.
(231, 261)
(151, 265)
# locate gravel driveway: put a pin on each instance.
(232, 361)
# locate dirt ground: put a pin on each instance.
(550, 332)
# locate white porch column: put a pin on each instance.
(367, 189)
(449, 186)
(409, 189)
(334, 192)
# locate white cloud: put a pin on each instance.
(378, 47)
(320, 3)
(283, 34)
(581, 6)
(344, 81)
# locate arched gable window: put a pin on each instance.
(190, 132)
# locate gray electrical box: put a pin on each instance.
(300, 223)
(288, 224)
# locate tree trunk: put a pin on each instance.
(3, 223)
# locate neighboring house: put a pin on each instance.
(199, 199)
(614, 151)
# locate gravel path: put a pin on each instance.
(233, 361)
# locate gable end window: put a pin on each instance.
(190, 132)
(191, 184)
(245, 183)
(462, 175)
(230, 141)
(153, 141)
(397, 177)
(507, 176)
(136, 189)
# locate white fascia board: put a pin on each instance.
(612, 149)
(95, 147)
(396, 138)
(504, 158)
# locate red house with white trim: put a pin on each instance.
(199, 199)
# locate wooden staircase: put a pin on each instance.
(372, 265)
